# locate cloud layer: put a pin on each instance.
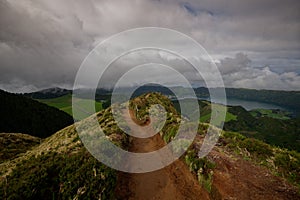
(43, 43)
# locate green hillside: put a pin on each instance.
(13, 144)
(64, 103)
(277, 114)
(271, 126)
(61, 168)
(280, 132)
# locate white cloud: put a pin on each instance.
(239, 73)
(43, 42)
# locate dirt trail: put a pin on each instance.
(240, 179)
(172, 182)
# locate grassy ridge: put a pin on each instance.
(281, 162)
(270, 126)
(61, 167)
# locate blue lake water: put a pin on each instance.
(248, 105)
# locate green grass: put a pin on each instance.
(64, 103)
(277, 114)
(219, 108)
(205, 118)
(201, 167)
(61, 168)
(60, 176)
(13, 144)
(230, 116)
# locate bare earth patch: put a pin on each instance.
(172, 182)
(236, 178)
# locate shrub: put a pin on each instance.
(256, 147)
(288, 163)
(233, 135)
(202, 167)
(59, 176)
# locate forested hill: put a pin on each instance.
(20, 114)
(288, 99)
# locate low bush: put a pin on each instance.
(288, 163)
(60, 176)
(256, 147)
(202, 167)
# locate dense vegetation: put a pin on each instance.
(12, 144)
(21, 114)
(279, 132)
(61, 168)
(274, 113)
(60, 176)
(201, 167)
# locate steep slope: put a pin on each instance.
(252, 163)
(243, 172)
(241, 179)
(280, 132)
(237, 168)
(13, 144)
(60, 168)
(20, 114)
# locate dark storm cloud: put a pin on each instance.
(38, 47)
(42, 43)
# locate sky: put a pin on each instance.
(254, 43)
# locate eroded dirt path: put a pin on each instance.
(234, 178)
(240, 179)
(237, 178)
(172, 182)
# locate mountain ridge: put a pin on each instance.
(290, 99)
(62, 168)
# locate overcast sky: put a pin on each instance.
(255, 43)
